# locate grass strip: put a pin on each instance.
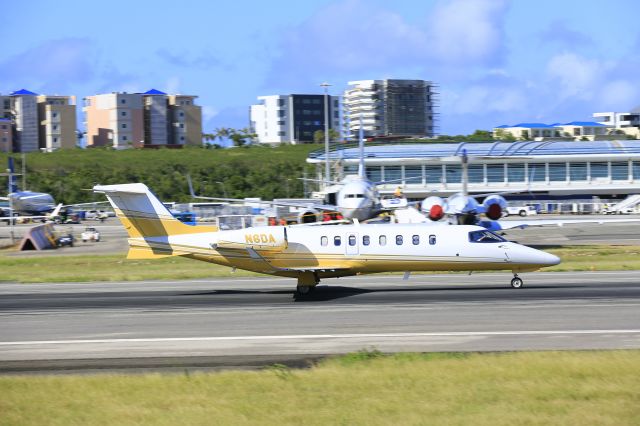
(117, 268)
(366, 388)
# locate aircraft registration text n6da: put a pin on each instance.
(274, 240)
(259, 238)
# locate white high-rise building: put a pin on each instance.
(390, 108)
(292, 118)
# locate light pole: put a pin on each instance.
(327, 170)
(224, 190)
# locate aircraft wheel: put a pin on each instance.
(303, 290)
(517, 282)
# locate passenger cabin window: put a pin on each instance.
(432, 240)
(398, 240)
(415, 240)
(324, 241)
(485, 237)
(337, 241)
(352, 240)
(366, 240)
(383, 240)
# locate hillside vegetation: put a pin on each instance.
(254, 171)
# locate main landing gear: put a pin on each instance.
(516, 282)
(307, 282)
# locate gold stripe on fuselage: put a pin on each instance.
(140, 225)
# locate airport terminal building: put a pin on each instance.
(540, 169)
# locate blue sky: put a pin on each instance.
(495, 61)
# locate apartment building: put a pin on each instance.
(185, 118)
(57, 119)
(142, 120)
(24, 109)
(6, 135)
(293, 118)
(574, 130)
(390, 108)
(627, 123)
(38, 122)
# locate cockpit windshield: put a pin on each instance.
(485, 237)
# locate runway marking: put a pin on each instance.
(325, 336)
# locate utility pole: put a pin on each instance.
(24, 172)
(327, 169)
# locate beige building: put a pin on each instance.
(150, 119)
(6, 135)
(39, 122)
(57, 118)
(5, 106)
(186, 120)
(114, 120)
(575, 130)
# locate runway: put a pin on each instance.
(231, 321)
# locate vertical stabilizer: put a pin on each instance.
(142, 214)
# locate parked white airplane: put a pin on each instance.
(312, 253)
(464, 209)
(357, 198)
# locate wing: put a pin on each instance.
(279, 203)
(513, 224)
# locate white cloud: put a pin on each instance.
(208, 112)
(173, 85)
(467, 31)
(52, 66)
(361, 40)
(576, 76)
(619, 95)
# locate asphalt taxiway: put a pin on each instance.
(228, 322)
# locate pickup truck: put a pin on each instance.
(520, 211)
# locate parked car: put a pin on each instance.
(90, 234)
(521, 211)
(65, 240)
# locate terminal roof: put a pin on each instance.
(481, 149)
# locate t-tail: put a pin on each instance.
(150, 225)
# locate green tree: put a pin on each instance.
(481, 136)
(239, 137)
(318, 135)
(525, 135)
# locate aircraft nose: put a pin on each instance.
(542, 258)
(548, 259)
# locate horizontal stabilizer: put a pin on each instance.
(148, 253)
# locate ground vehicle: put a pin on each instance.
(90, 234)
(520, 210)
(65, 240)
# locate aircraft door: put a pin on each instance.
(351, 243)
(505, 248)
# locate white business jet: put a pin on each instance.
(312, 253)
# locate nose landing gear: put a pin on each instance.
(516, 282)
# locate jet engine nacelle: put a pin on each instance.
(309, 216)
(494, 206)
(265, 238)
(434, 207)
